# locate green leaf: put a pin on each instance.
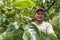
(58, 2)
(32, 32)
(52, 37)
(23, 4)
(42, 36)
(12, 27)
(54, 21)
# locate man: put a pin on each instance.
(41, 24)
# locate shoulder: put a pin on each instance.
(47, 23)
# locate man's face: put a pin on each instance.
(39, 15)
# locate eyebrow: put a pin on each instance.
(39, 12)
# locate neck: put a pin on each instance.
(38, 22)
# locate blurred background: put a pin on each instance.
(16, 13)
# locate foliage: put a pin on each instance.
(16, 14)
(32, 32)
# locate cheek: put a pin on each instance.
(43, 16)
(35, 15)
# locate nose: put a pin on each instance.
(39, 15)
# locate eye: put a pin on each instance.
(40, 13)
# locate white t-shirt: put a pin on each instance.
(44, 27)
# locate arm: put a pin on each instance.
(24, 36)
(53, 34)
(50, 30)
